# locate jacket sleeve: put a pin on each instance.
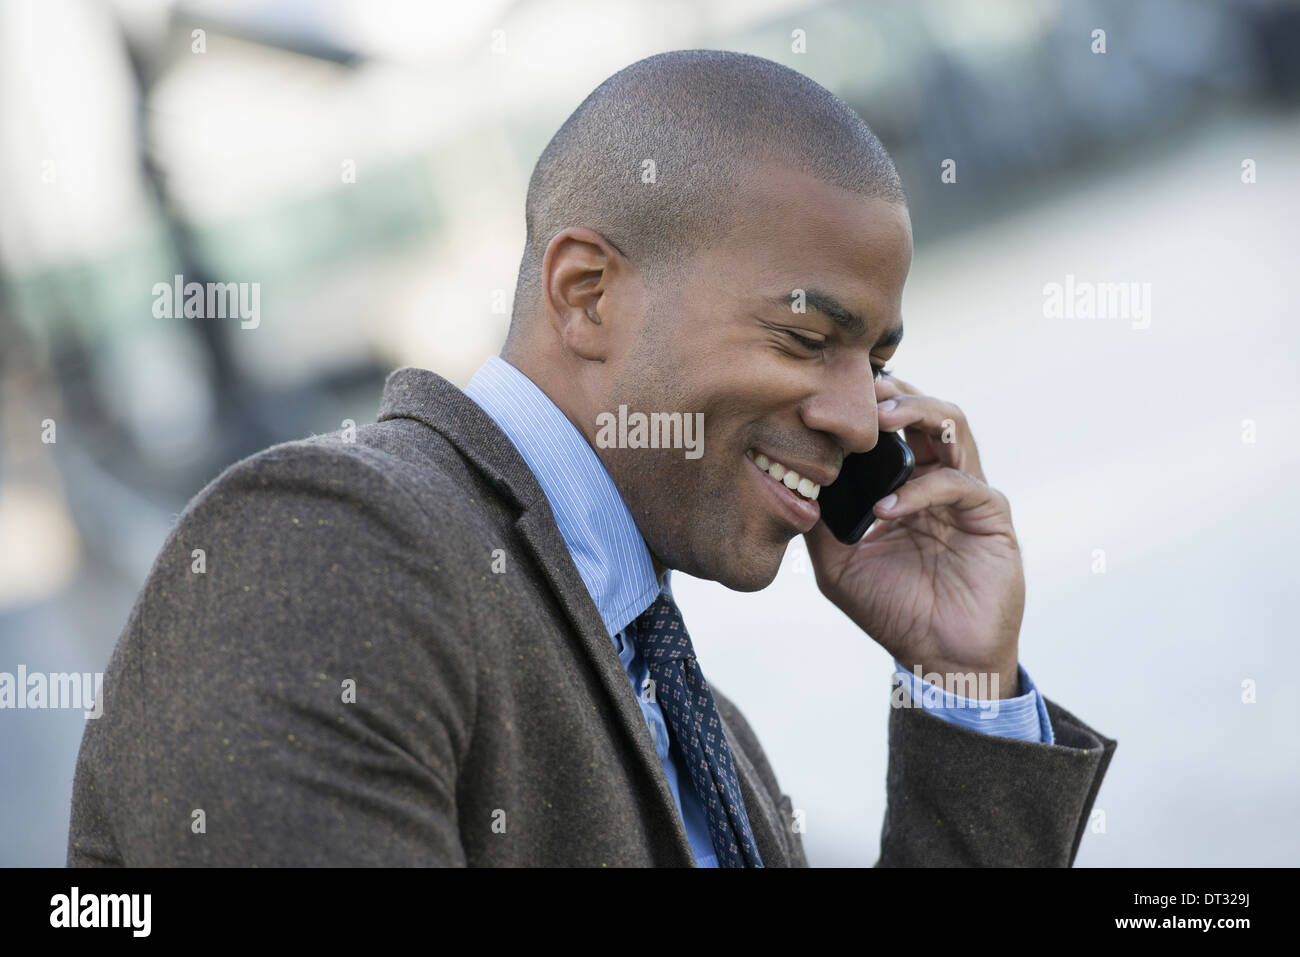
(961, 798)
(295, 685)
(958, 797)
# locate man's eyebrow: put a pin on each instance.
(842, 316)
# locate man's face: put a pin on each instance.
(724, 343)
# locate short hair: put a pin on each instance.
(705, 118)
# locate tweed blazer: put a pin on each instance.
(373, 648)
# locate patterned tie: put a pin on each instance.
(692, 718)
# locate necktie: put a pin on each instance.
(692, 718)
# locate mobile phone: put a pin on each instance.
(865, 478)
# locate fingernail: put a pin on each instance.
(887, 405)
(888, 502)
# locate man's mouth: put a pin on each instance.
(792, 497)
(805, 488)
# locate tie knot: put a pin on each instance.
(662, 633)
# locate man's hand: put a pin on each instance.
(937, 580)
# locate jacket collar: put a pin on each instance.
(411, 393)
(602, 536)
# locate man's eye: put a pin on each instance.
(815, 344)
(878, 371)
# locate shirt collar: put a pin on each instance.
(606, 546)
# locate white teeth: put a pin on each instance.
(792, 480)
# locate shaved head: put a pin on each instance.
(705, 119)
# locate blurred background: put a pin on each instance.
(366, 163)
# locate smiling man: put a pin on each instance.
(454, 641)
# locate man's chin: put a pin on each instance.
(749, 582)
(752, 571)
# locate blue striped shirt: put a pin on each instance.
(614, 563)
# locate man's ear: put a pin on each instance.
(578, 271)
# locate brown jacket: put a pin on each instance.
(339, 678)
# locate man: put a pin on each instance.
(453, 639)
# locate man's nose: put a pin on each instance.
(845, 407)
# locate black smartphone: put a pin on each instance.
(865, 478)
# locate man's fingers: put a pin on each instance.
(949, 488)
(888, 386)
(927, 468)
(942, 421)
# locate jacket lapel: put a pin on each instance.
(764, 817)
(429, 398)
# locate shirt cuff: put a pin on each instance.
(1023, 717)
